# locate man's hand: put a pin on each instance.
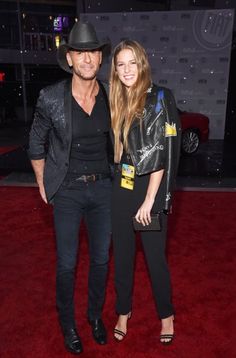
(38, 166)
(42, 193)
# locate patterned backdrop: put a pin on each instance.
(189, 52)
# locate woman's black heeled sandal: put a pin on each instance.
(120, 333)
(166, 339)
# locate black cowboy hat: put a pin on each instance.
(82, 37)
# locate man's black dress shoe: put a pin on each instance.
(72, 341)
(98, 331)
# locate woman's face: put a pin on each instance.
(126, 67)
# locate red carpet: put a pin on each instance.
(201, 254)
(7, 149)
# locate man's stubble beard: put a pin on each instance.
(83, 76)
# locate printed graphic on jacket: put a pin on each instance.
(170, 130)
(145, 152)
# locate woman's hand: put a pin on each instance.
(143, 215)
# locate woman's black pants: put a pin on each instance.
(125, 204)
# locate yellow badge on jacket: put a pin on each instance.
(127, 176)
(170, 130)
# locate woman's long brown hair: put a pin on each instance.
(127, 104)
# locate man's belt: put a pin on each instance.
(92, 177)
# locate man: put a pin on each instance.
(68, 148)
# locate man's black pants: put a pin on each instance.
(72, 202)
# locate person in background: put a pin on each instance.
(69, 151)
(147, 135)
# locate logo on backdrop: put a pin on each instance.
(212, 29)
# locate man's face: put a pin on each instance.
(85, 63)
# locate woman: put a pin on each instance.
(146, 131)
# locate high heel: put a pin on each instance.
(120, 333)
(167, 339)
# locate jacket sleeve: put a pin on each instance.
(40, 129)
(173, 141)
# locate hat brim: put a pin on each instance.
(64, 48)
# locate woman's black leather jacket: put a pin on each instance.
(155, 144)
